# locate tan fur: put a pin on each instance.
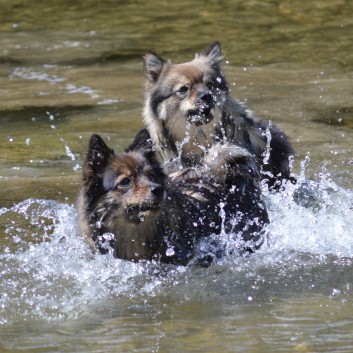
(129, 206)
(188, 108)
(190, 138)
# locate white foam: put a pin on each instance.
(49, 272)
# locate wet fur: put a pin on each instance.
(128, 204)
(188, 108)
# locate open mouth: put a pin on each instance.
(200, 116)
(138, 213)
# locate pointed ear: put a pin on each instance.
(142, 142)
(153, 65)
(97, 157)
(213, 53)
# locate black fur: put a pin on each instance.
(187, 204)
(166, 110)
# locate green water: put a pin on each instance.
(291, 61)
(71, 68)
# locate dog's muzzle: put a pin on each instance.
(138, 212)
(203, 114)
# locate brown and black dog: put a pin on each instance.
(128, 204)
(188, 108)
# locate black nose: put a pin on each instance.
(206, 98)
(157, 191)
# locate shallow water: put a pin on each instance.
(294, 294)
(70, 69)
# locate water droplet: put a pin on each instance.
(170, 252)
(69, 153)
(335, 291)
(108, 236)
(76, 167)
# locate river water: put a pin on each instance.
(69, 69)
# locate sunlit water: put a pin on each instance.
(69, 69)
(49, 274)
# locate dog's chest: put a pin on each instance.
(199, 138)
(191, 139)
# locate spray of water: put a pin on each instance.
(48, 271)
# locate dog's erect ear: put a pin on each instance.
(153, 65)
(213, 53)
(97, 157)
(142, 143)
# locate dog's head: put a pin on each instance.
(192, 89)
(128, 187)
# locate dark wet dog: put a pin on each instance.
(188, 109)
(128, 204)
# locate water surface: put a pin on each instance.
(70, 69)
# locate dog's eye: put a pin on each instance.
(183, 89)
(124, 182)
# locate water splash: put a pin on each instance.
(48, 271)
(180, 145)
(268, 135)
(323, 230)
(71, 155)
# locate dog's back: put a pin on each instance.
(235, 172)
